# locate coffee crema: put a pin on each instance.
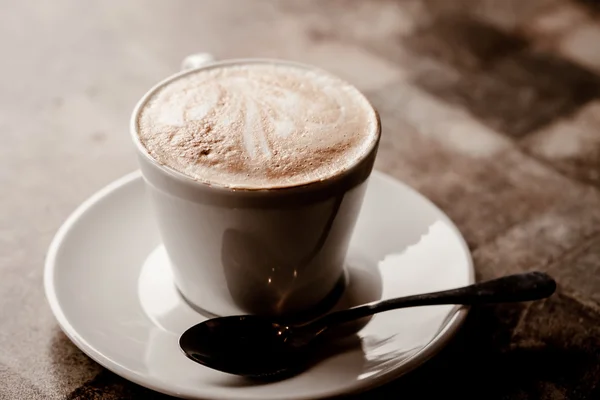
(257, 125)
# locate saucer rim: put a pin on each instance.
(454, 322)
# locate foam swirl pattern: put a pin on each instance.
(257, 125)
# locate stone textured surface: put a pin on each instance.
(490, 107)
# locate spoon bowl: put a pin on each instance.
(247, 345)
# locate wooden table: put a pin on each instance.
(491, 108)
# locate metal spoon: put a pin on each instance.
(260, 347)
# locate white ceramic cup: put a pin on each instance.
(276, 252)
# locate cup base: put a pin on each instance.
(318, 310)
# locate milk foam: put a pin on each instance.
(257, 125)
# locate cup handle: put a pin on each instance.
(196, 61)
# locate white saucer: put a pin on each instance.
(109, 285)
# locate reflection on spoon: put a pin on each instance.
(260, 347)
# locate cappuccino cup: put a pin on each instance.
(256, 170)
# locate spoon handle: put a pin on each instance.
(513, 288)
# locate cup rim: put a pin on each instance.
(183, 178)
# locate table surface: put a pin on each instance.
(491, 108)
